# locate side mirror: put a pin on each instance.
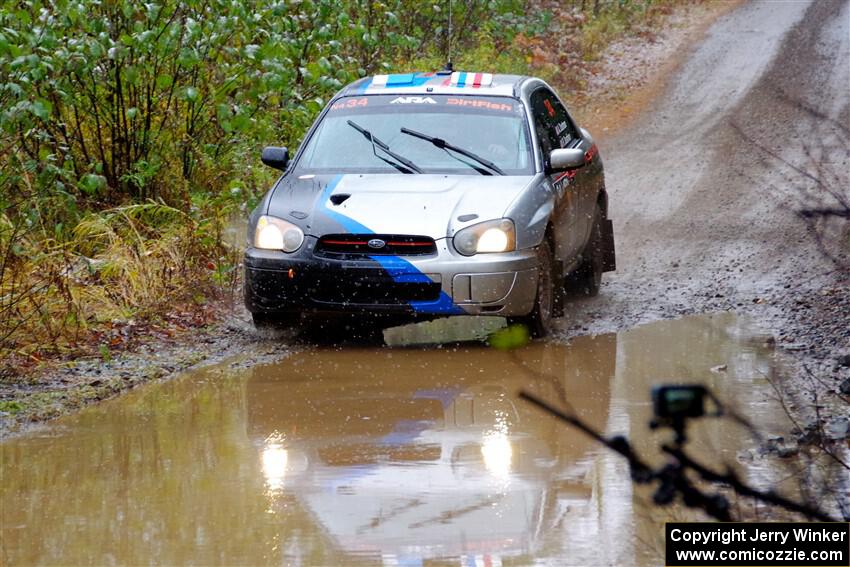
(566, 158)
(276, 157)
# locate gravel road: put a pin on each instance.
(708, 185)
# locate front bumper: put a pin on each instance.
(445, 283)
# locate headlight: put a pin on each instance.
(273, 233)
(491, 236)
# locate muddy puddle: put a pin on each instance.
(408, 455)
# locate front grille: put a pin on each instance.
(374, 291)
(335, 245)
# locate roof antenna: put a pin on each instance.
(449, 68)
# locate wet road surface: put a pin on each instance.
(706, 186)
(381, 455)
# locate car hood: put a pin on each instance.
(423, 205)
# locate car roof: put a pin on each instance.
(458, 82)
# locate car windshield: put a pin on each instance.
(490, 128)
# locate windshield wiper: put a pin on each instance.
(444, 145)
(404, 165)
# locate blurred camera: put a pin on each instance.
(678, 402)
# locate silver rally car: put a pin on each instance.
(425, 195)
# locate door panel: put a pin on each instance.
(554, 129)
(585, 188)
(584, 180)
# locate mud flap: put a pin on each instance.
(609, 262)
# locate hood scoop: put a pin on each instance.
(339, 198)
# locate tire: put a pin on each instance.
(539, 321)
(587, 278)
(269, 321)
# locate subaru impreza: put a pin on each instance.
(425, 195)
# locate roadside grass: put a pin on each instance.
(119, 270)
(596, 33)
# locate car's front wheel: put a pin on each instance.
(539, 321)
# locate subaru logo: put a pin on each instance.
(376, 243)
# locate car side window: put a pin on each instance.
(551, 121)
(563, 129)
(542, 121)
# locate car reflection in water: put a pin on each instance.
(409, 454)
